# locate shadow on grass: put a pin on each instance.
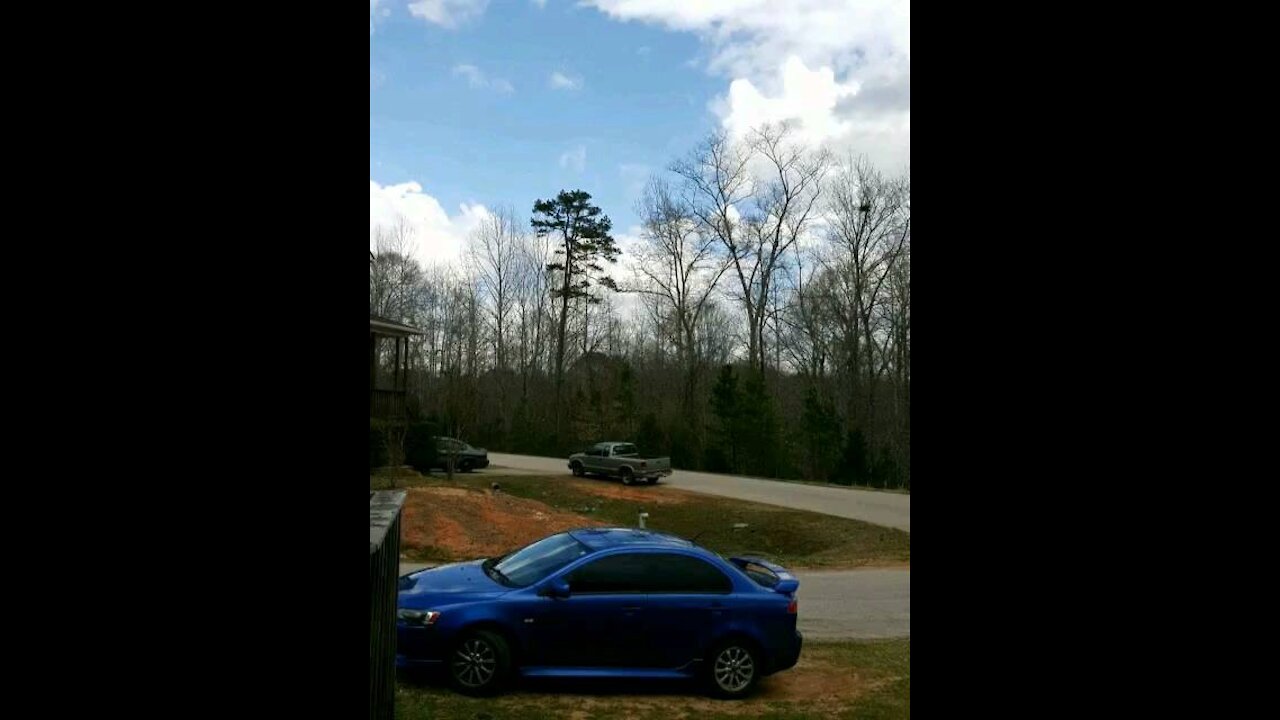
(633, 687)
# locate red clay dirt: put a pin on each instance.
(449, 523)
(646, 495)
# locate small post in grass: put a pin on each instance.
(640, 518)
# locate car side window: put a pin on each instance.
(613, 574)
(673, 573)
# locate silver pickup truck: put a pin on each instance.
(620, 460)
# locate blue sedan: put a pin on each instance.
(603, 603)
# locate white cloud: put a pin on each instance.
(478, 80)
(448, 13)
(624, 272)
(560, 81)
(841, 68)
(807, 97)
(540, 3)
(575, 158)
(437, 237)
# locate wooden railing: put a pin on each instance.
(386, 404)
(384, 574)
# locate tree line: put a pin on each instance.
(762, 325)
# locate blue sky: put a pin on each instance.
(475, 104)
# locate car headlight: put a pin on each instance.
(418, 617)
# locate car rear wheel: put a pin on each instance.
(733, 670)
(576, 468)
(627, 476)
(480, 663)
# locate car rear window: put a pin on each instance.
(672, 573)
(624, 449)
(759, 573)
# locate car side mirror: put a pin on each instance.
(555, 588)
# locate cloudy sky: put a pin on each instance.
(475, 104)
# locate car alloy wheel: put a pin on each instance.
(474, 663)
(734, 669)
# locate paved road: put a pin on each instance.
(881, 508)
(839, 604)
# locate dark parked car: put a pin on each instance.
(465, 457)
(601, 602)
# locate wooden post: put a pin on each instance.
(373, 368)
(395, 369)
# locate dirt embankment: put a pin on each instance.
(460, 523)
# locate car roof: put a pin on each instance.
(598, 538)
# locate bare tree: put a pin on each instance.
(677, 264)
(869, 225)
(395, 278)
(494, 252)
(756, 219)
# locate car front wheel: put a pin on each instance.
(479, 663)
(576, 468)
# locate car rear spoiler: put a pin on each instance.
(787, 583)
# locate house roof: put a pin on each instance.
(383, 326)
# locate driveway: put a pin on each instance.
(843, 604)
(880, 508)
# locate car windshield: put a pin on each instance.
(534, 562)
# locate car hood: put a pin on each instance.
(453, 583)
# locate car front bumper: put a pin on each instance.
(419, 646)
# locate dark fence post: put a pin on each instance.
(384, 573)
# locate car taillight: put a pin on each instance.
(793, 607)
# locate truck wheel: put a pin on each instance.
(627, 476)
(576, 469)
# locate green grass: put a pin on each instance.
(795, 538)
(870, 680)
